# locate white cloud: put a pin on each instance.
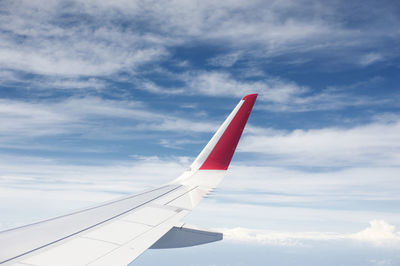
(46, 174)
(99, 38)
(296, 199)
(324, 100)
(78, 115)
(280, 27)
(370, 58)
(254, 197)
(379, 233)
(45, 187)
(37, 39)
(370, 144)
(226, 60)
(223, 84)
(275, 94)
(276, 238)
(297, 187)
(65, 83)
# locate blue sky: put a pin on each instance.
(104, 98)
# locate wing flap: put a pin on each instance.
(184, 236)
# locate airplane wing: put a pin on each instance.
(117, 232)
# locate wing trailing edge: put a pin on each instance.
(186, 236)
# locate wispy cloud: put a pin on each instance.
(275, 94)
(370, 58)
(223, 84)
(72, 186)
(77, 115)
(307, 187)
(42, 39)
(370, 144)
(120, 37)
(226, 60)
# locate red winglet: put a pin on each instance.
(221, 155)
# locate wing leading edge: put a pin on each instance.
(117, 232)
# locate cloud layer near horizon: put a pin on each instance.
(378, 233)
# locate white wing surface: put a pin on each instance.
(117, 232)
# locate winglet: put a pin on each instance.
(218, 153)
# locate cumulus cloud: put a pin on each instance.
(379, 233)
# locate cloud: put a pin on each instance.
(325, 100)
(379, 233)
(47, 187)
(41, 83)
(300, 198)
(77, 39)
(298, 187)
(275, 94)
(117, 177)
(370, 144)
(370, 59)
(276, 238)
(78, 115)
(223, 84)
(262, 197)
(177, 144)
(226, 60)
(278, 26)
(40, 39)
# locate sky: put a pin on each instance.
(100, 99)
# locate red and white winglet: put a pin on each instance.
(210, 165)
(219, 151)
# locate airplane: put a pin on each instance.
(117, 232)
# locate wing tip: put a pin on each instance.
(250, 96)
(222, 152)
